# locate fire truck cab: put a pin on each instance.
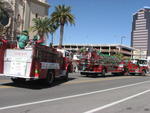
(138, 66)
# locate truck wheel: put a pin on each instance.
(133, 74)
(116, 74)
(126, 73)
(49, 79)
(143, 73)
(103, 72)
(66, 78)
(18, 80)
(87, 75)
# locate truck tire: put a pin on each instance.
(132, 74)
(103, 72)
(126, 73)
(18, 80)
(66, 78)
(87, 75)
(49, 79)
(116, 74)
(143, 73)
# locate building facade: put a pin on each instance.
(104, 48)
(140, 35)
(23, 13)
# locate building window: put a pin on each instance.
(18, 19)
(36, 15)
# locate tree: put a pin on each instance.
(42, 26)
(119, 56)
(54, 27)
(61, 16)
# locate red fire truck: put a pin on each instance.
(38, 62)
(5, 44)
(94, 63)
(138, 66)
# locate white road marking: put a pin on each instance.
(68, 97)
(116, 102)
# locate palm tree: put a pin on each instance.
(62, 15)
(54, 27)
(42, 26)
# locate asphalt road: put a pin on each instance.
(112, 94)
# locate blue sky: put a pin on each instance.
(99, 21)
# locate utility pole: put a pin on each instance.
(122, 39)
(140, 53)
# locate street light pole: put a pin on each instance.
(140, 53)
(122, 39)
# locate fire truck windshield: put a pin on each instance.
(140, 61)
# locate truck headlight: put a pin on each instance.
(120, 65)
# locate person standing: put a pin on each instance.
(23, 39)
(39, 40)
(3, 42)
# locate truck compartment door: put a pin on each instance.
(17, 63)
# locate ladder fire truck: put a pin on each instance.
(94, 63)
(38, 62)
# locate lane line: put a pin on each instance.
(69, 97)
(2, 87)
(116, 102)
(97, 80)
(5, 80)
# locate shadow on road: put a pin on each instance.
(110, 75)
(100, 76)
(36, 84)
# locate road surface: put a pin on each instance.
(112, 94)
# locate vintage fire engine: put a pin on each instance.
(94, 63)
(138, 66)
(38, 62)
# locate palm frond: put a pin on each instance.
(62, 15)
(42, 25)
